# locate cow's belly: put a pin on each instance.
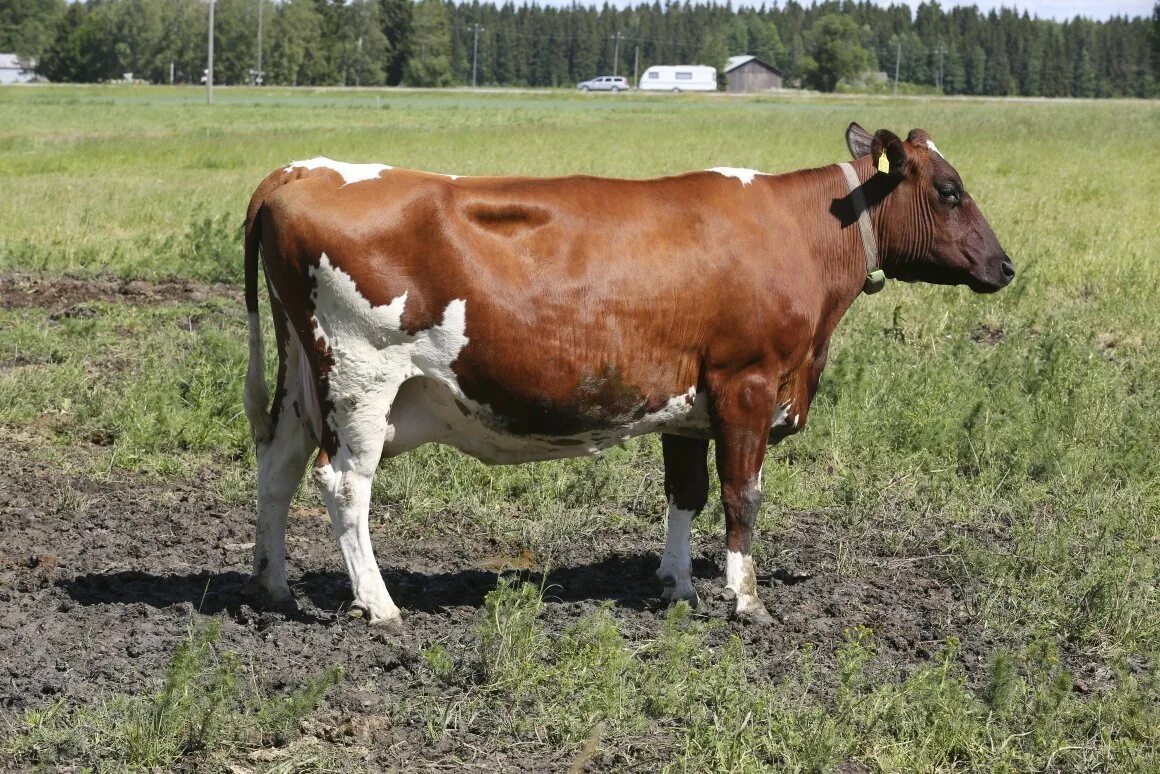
(429, 410)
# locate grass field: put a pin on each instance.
(1001, 452)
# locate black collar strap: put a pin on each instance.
(875, 277)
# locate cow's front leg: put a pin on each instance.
(687, 489)
(742, 413)
(345, 483)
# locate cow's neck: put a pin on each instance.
(830, 232)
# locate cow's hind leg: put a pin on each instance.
(687, 489)
(281, 463)
(345, 479)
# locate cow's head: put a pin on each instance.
(929, 228)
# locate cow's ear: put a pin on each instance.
(858, 140)
(888, 153)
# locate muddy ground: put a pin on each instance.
(59, 294)
(100, 579)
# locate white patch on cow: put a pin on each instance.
(351, 173)
(676, 570)
(930, 145)
(796, 419)
(678, 410)
(373, 355)
(741, 578)
(746, 176)
(781, 413)
(735, 569)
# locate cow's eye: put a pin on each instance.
(949, 193)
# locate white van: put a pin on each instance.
(679, 78)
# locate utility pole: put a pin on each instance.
(209, 60)
(636, 67)
(259, 79)
(941, 50)
(897, 62)
(474, 50)
(616, 52)
(357, 71)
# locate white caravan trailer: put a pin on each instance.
(679, 78)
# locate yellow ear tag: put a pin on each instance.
(884, 164)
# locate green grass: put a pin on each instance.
(1031, 456)
(147, 383)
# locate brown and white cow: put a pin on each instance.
(522, 319)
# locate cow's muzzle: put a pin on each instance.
(998, 276)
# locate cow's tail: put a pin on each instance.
(256, 397)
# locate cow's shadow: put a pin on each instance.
(625, 580)
(209, 592)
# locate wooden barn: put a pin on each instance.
(745, 74)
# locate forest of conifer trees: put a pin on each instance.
(957, 50)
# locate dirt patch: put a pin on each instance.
(988, 336)
(101, 577)
(67, 296)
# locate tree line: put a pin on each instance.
(440, 43)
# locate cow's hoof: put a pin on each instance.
(260, 596)
(392, 626)
(753, 613)
(673, 594)
(391, 621)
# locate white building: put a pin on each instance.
(14, 70)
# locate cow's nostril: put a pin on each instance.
(1008, 269)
